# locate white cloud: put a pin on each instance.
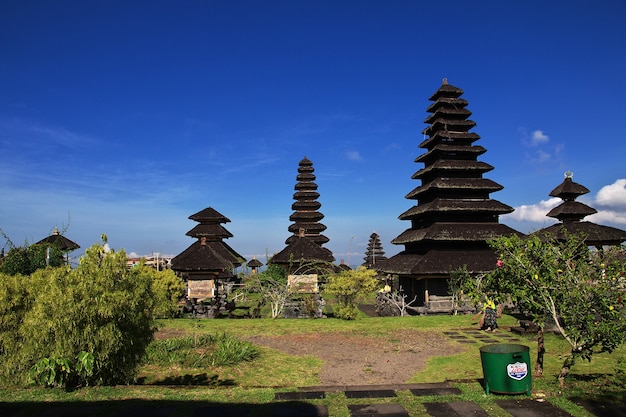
(542, 156)
(538, 138)
(607, 216)
(613, 195)
(610, 202)
(535, 213)
(354, 156)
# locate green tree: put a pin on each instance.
(24, 260)
(271, 284)
(92, 323)
(579, 291)
(350, 288)
(167, 288)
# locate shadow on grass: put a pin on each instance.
(190, 380)
(159, 408)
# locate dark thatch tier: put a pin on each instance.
(209, 254)
(300, 250)
(306, 216)
(374, 255)
(595, 234)
(454, 215)
(60, 241)
(571, 213)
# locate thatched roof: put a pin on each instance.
(595, 234)
(302, 249)
(206, 256)
(454, 216)
(439, 262)
(448, 185)
(209, 253)
(60, 241)
(444, 165)
(438, 150)
(455, 232)
(570, 213)
(449, 205)
(463, 138)
(255, 263)
(571, 210)
(451, 124)
(569, 189)
(209, 229)
(209, 214)
(306, 218)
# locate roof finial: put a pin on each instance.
(444, 81)
(569, 174)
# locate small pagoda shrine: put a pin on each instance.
(374, 255)
(61, 242)
(454, 215)
(570, 214)
(254, 264)
(305, 243)
(209, 262)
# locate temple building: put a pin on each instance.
(64, 244)
(306, 240)
(571, 213)
(374, 255)
(454, 215)
(254, 264)
(209, 261)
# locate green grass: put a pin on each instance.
(255, 381)
(462, 366)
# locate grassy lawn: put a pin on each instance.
(257, 381)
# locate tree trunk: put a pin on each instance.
(567, 365)
(541, 349)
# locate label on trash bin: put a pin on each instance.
(517, 370)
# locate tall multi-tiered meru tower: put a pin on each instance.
(454, 215)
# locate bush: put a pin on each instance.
(351, 287)
(58, 314)
(26, 260)
(200, 351)
(167, 289)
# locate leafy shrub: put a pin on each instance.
(51, 372)
(200, 351)
(351, 287)
(100, 307)
(167, 289)
(27, 259)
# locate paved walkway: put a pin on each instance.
(362, 401)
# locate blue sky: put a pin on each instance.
(126, 117)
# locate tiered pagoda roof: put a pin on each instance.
(374, 254)
(60, 241)
(209, 254)
(305, 243)
(306, 215)
(454, 215)
(302, 249)
(570, 213)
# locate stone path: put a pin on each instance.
(517, 408)
(482, 337)
(362, 401)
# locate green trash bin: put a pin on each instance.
(506, 368)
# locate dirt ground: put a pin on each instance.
(359, 360)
